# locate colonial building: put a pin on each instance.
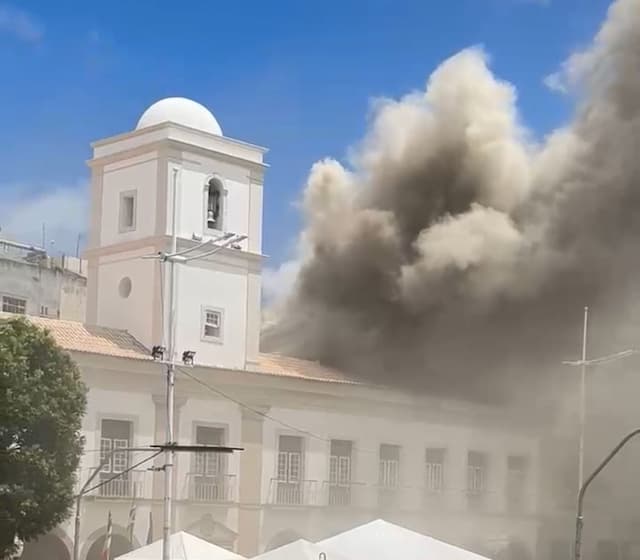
(34, 283)
(322, 452)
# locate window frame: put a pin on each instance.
(115, 443)
(477, 473)
(210, 459)
(435, 471)
(301, 456)
(341, 466)
(122, 227)
(517, 479)
(203, 323)
(3, 303)
(389, 475)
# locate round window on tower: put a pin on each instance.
(124, 288)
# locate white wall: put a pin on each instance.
(368, 432)
(222, 288)
(133, 174)
(135, 313)
(192, 180)
(207, 411)
(136, 407)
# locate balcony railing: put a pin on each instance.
(303, 493)
(220, 488)
(130, 485)
(343, 494)
(339, 494)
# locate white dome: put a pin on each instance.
(182, 111)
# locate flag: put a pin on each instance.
(106, 549)
(150, 533)
(132, 522)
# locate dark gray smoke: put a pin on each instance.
(456, 254)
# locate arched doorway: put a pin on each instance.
(119, 545)
(48, 546)
(282, 538)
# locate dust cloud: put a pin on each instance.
(455, 252)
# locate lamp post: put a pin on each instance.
(157, 449)
(585, 486)
(172, 258)
(584, 364)
(85, 487)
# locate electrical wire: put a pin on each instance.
(129, 469)
(262, 414)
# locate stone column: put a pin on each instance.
(250, 484)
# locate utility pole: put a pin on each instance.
(584, 364)
(85, 490)
(577, 549)
(172, 258)
(156, 449)
(171, 375)
(583, 398)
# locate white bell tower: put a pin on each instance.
(219, 190)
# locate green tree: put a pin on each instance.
(42, 401)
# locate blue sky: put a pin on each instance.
(295, 76)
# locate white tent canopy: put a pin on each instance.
(183, 547)
(380, 540)
(299, 550)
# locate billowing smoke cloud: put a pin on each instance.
(456, 254)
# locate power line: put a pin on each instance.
(263, 414)
(118, 475)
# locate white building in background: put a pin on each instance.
(322, 453)
(35, 283)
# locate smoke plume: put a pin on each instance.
(456, 253)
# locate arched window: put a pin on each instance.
(215, 200)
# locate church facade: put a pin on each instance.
(321, 451)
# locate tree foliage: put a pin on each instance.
(42, 401)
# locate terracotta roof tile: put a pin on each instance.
(286, 366)
(78, 337)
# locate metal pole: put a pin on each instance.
(76, 532)
(169, 454)
(583, 489)
(583, 399)
(83, 490)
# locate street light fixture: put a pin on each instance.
(187, 357)
(583, 490)
(157, 353)
(157, 449)
(85, 487)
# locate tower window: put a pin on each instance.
(127, 211)
(211, 324)
(215, 196)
